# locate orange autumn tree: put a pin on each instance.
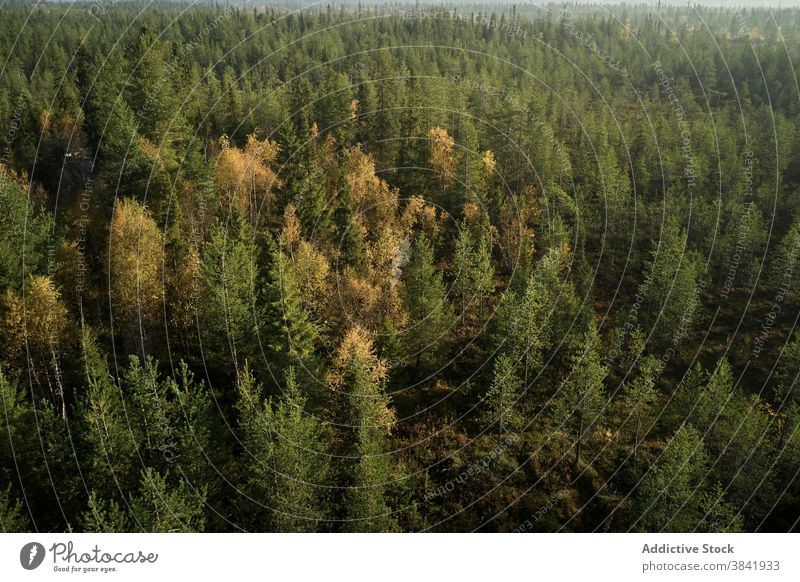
(374, 200)
(246, 176)
(370, 296)
(367, 294)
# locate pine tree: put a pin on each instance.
(37, 453)
(104, 517)
(111, 453)
(473, 275)
(17, 415)
(24, 234)
(719, 516)
(111, 123)
(670, 287)
(670, 496)
(304, 185)
(348, 234)
(580, 402)
(785, 263)
(715, 403)
(201, 443)
(503, 399)
(156, 95)
(231, 310)
(639, 396)
(787, 392)
(733, 427)
(526, 318)
(149, 411)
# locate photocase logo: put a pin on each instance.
(31, 555)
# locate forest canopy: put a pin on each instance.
(398, 268)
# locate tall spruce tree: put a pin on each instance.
(286, 457)
(290, 336)
(359, 376)
(430, 315)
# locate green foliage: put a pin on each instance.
(286, 457)
(12, 516)
(25, 234)
(369, 419)
(639, 398)
(102, 517)
(672, 496)
(161, 507)
(670, 287)
(719, 516)
(290, 335)
(429, 312)
(110, 454)
(473, 276)
(475, 266)
(734, 428)
(503, 397)
(669, 496)
(580, 402)
(525, 321)
(231, 310)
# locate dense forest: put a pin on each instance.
(398, 268)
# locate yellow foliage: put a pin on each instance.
(36, 320)
(472, 212)
(311, 270)
(442, 159)
(245, 175)
(417, 211)
(290, 234)
(136, 256)
(411, 213)
(363, 300)
(489, 163)
(44, 119)
(375, 202)
(431, 225)
(187, 287)
(357, 346)
(151, 152)
(384, 257)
